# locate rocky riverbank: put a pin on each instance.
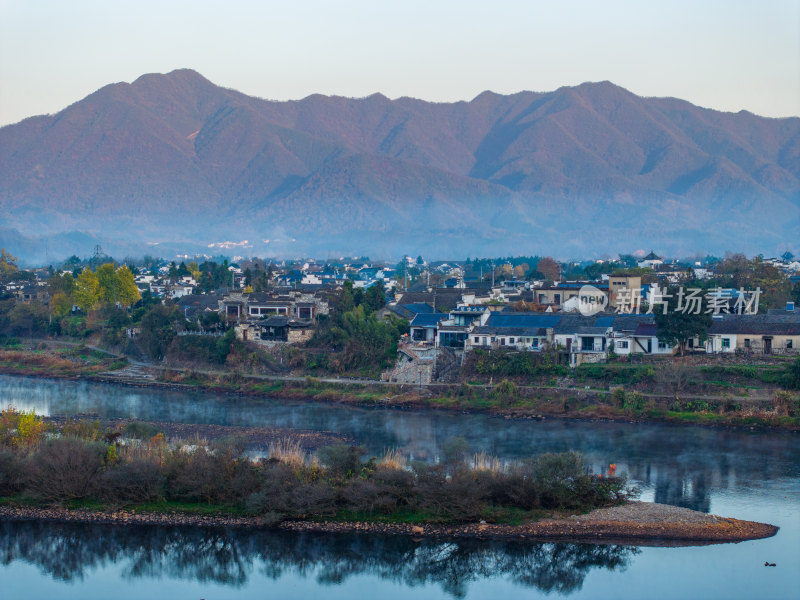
(635, 523)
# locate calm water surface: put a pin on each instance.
(740, 474)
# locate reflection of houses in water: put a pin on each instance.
(679, 485)
(681, 490)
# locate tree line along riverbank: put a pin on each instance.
(593, 393)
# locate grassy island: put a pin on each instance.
(78, 471)
(83, 465)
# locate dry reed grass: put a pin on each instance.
(393, 459)
(289, 452)
(484, 462)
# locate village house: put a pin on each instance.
(237, 305)
(31, 292)
(425, 326)
(275, 330)
(777, 332)
(520, 331)
(559, 295)
(636, 334)
(651, 261)
(625, 290)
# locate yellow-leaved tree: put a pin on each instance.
(8, 264)
(60, 305)
(194, 269)
(127, 291)
(20, 428)
(117, 285)
(87, 290)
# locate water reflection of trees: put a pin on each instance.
(70, 552)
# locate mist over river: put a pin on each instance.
(742, 474)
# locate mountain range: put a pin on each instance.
(176, 162)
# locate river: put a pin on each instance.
(742, 474)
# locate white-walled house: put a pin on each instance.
(777, 332)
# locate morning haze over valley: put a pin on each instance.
(585, 171)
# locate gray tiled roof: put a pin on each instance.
(762, 324)
(515, 331)
(427, 319)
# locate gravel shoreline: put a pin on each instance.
(636, 523)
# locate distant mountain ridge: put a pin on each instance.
(175, 157)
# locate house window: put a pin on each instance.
(789, 345)
(622, 345)
(747, 342)
(535, 342)
(502, 341)
(726, 342)
(476, 339)
(662, 345)
(510, 340)
(691, 343)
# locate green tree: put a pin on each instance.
(346, 301)
(737, 271)
(796, 294)
(158, 329)
(61, 284)
(28, 319)
(60, 305)
(375, 297)
(677, 327)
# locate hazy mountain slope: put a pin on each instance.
(589, 167)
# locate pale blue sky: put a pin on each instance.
(729, 55)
